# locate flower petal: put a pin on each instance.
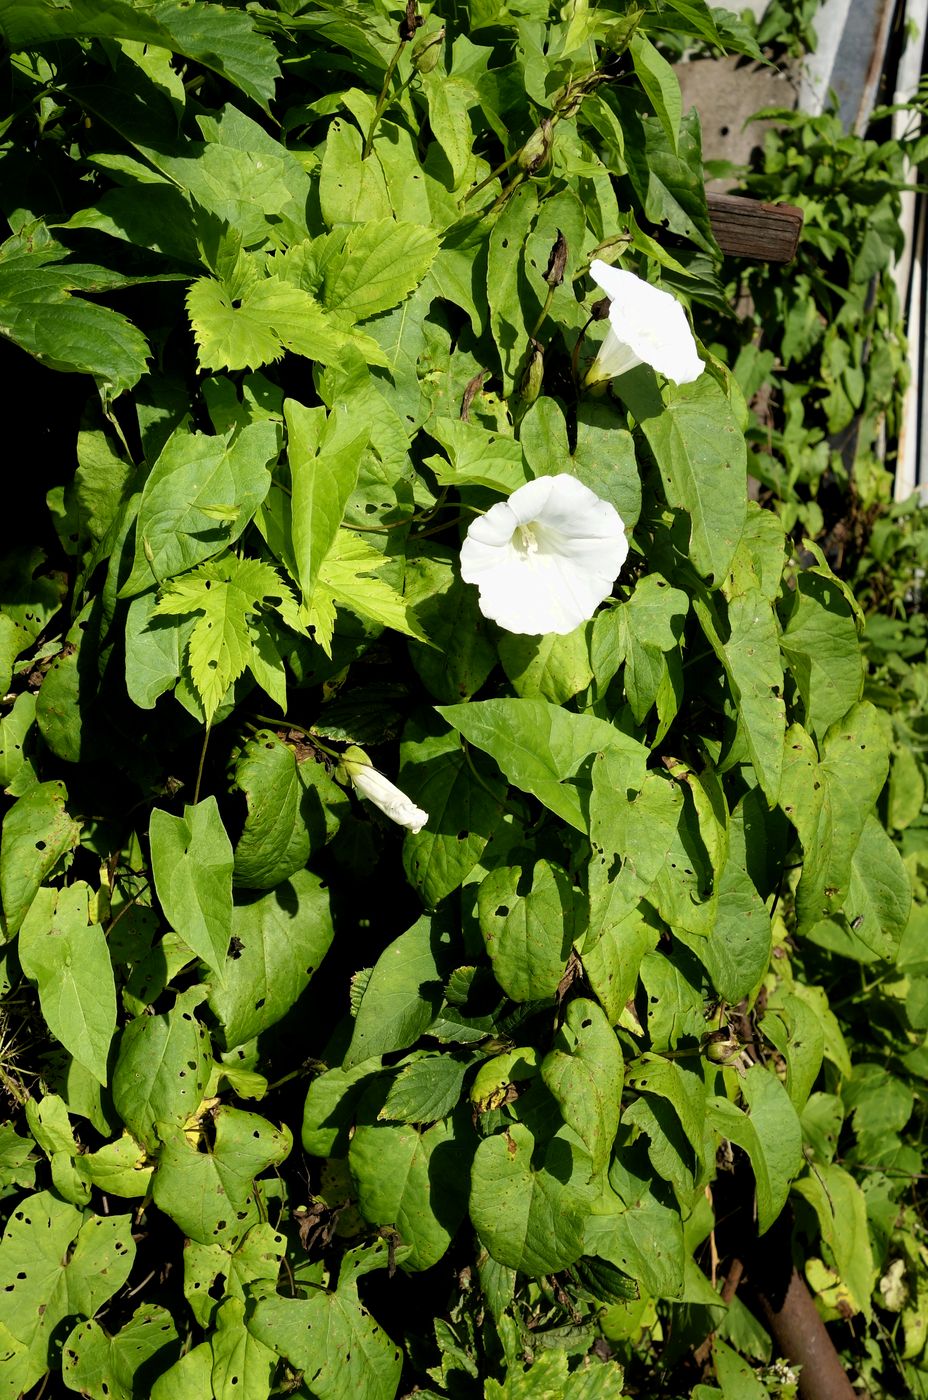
(650, 323)
(572, 547)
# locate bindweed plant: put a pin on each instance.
(425, 767)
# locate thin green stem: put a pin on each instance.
(196, 790)
(544, 314)
(493, 175)
(382, 100)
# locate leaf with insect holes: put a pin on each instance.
(347, 577)
(229, 593)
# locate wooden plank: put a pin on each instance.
(746, 228)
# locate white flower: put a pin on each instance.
(372, 784)
(646, 326)
(546, 558)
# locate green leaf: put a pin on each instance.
(584, 1071)
(477, 456)
(879, 896)
(425, 1090)
(190, 1378)
(292, 811)
(822, 648)
(174, 530)
(381, 262)
(331, 1107)
(219, 38)
(553, 667)
(542, 748)
(461, 655)
(332, 1338)
(68, 959)
(529, 1208)
(463, 812)
(841, 1208)
(771, 1137)
(231, 595)
(155, 647)
(53, 1265)
(325, 458)
(117, 1168)
(162, 1069)
(191, 860)
(735, 1375)
(684, 1091)
(351, 190)
(798, 1034)
(243, 1367)
(39, 314)
(347, 576)
(506, 286)
(737, 952)
(14, 728)
(108, 1367)
(645, 1238)
(528, 932)
(660, 84)
(414, 1181)
(37, 831)
(828, 802)
(211, 1195)
(403, 994)
(278, 942)
(668, 179)
(750, 656)
(603, 455)
(700, 454)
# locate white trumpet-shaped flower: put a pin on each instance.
(546, 558)
(646, 326)
(372, 784)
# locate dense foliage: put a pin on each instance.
(303, 1104)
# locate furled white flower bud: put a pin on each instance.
(371, 783)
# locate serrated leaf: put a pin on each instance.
(220, 38)
(425, 1090)
(192, 867)
(246, 331)
(37, 831)
(381, 263)
(347, 577)
(67, 957)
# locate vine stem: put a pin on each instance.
(382, 100)
(196, 790)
